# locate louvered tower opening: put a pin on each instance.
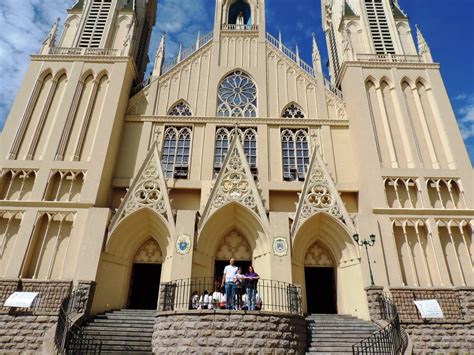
(379, 29)
(96, 21)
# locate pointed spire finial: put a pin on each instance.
(159, 56)
(298, 60)
(423, 49)
(280, 42)
(198, 40)
(317, 65)
(180, 52)
(50, 40)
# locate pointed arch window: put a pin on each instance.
(180, 109)
(248, 137)
(176, 152)
(237, 96)
(293, 111)
(295, 153)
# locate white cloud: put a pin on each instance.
(24, 25)
(466, 115)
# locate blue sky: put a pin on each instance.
(445, 24)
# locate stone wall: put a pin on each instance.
(226, 332)
(452, 335)
(24, 329)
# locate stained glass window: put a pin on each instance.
(224, 135)
(237, 96)
(180, 109)
(176, 151)
(293, 111)
(295, 154)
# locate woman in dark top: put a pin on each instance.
(251, 279)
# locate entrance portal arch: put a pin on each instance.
(229, 225)
(144, 231)
(334, 240)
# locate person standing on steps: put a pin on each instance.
(251, 279)
(228, 280)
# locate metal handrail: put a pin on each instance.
(389, 340)
(270, 295)
(69, 338)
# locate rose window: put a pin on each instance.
(237, 96)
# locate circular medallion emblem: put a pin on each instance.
(183, 244)
(280, 246)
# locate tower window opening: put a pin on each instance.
(93, 31)
(176, 152)
(383, 43)
(295, 154)
(239, 12)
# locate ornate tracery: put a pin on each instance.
(224, 135)
(237, 96)
(293, 111)
(180, 109)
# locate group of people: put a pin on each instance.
(240, 291)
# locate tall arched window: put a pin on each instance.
(248, 137)
(237, 96)
(180, 109)
(176, 151)
(295, 153)
(293, 111)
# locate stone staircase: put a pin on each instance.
(125, 331)
(335, 334)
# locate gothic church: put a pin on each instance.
(239, 148)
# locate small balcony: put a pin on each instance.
(389, 58)
(235, 27)
(84, 51)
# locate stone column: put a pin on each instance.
(466, 298)
(373, 295)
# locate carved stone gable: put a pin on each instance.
(148, 189)
(235, 183)
(319, 195)
(149, 253)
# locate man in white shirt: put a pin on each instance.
(228, 279)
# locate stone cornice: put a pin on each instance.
(45, 205)
(425, 212)
(387, 64)
(243, 121)
(80, 58)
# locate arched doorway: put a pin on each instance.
(335, 241)
(140, 239)
(233, 245)
(145, 278)
(320, 280)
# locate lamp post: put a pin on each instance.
(366, 243)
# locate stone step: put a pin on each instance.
(126, 352)
(331, 350)
(125, 317)
(338, 337)
(126, 342)
(119, 337)
(120, 348)
(123, 321)
(121, 332)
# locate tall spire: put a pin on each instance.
(159, 57)
(317, 65)
(423, 48)
(298, 60)
(50, 40)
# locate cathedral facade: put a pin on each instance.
(236, 148)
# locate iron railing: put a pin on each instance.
(69, 338)
(272, 296)
(388, 340)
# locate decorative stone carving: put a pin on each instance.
(319, 194)
(235, 183)
(234, 245)
(317, 255)
(148, 190)
(280, 246)
(149, 253)
(183, 244)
